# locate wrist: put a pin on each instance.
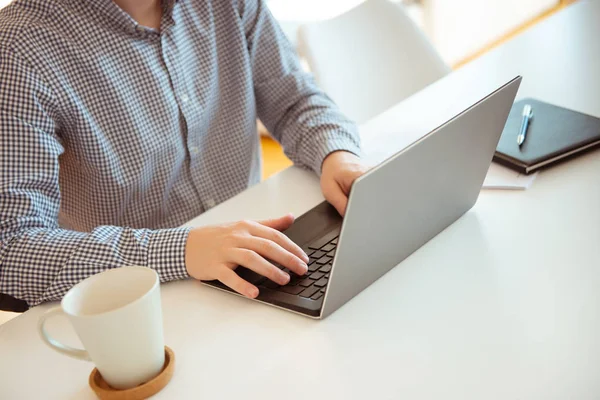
(337, 157)
(188, 251)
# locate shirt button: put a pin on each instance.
(194, 150)
(185, 98)
(210, 203)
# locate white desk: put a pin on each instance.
(505, 304)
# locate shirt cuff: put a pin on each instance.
(166, 253)
(331, 142)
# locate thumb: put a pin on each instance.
(336, 196)
(280, 224)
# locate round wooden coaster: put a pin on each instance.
(150, 388)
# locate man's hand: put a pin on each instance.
(340, 170)
(214, 252)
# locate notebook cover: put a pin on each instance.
(553, 133)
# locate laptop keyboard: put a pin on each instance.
(312, 284)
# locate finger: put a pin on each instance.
(348, 179)
(273, 251)
(337, 198)
(280, 224)
(251, 260)
(274, 235)
(232, 280)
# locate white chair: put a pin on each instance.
(370, 58)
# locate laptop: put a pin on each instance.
(393, 210)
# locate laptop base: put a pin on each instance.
(316, 232)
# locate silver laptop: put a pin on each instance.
(393, 210)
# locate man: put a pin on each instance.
(121, 120)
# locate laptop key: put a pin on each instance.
(321, 282)
(270, 284)
(331, 253)
(323, 260)
(325, 268)
(317, 296)
(317, 275)
(305, 282)
(328, 247)
(316, 255)
(294, 279)
(322, 290)
(313, 267)
(309, 291)
(334, 241)
(325, 239)
(292, 289)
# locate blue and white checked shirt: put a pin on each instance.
(112, 134)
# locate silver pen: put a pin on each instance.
(527, 115)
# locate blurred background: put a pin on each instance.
(458, 30)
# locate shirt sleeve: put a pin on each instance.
(298, 114)
(39, 261)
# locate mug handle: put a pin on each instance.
(79, 354)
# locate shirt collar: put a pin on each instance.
(121, 20)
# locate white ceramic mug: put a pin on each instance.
(118, 318)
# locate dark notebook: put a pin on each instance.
(554, 134)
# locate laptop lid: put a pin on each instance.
(408, 199)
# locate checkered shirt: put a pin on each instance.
(112, 135)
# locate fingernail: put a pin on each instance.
(253, 292)
(305, 257)
(304, 267)
(286, 278)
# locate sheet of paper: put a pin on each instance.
(500, 177)
(379, 147)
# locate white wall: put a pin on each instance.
(459, 28)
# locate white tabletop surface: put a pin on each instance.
(504, 304)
